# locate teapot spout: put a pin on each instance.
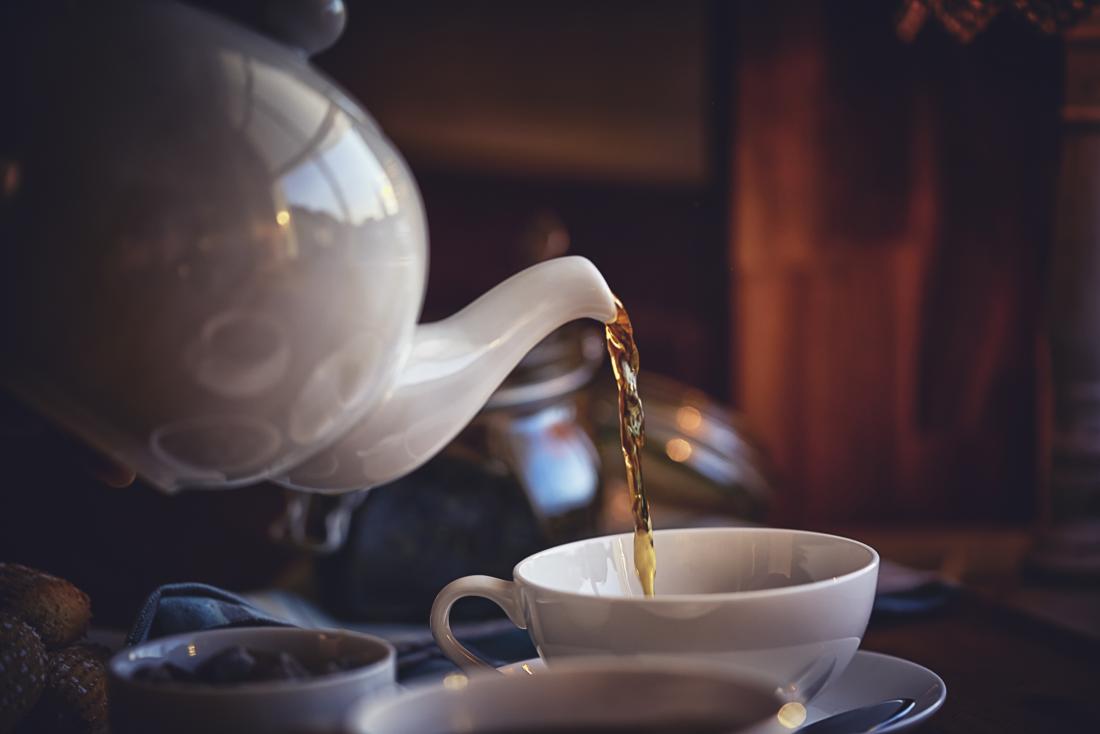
(453, 367)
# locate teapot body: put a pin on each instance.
(214, 260)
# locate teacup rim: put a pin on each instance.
(723, 596)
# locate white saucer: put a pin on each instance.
(871, 677)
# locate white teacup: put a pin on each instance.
(791, 605)
(593, 695)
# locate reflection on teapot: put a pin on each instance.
(215, 262)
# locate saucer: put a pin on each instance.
(871, 677)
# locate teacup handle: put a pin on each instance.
(501, 593)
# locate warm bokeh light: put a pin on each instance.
(689, 419)
(455, 681)
(616, 505)
(282, 218)
(678, 450)
(791, 715)
(10, 176)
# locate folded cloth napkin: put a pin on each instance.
(904, 591)
(177, 608)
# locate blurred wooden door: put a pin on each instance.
(891, 214)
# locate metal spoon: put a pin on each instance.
(862, 720)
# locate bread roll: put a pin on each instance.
(74, 699)
(58, 611)
(22, 670)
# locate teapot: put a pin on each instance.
(215, 261)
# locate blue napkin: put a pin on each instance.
(923, 599)
(904, 591)
(177, 608)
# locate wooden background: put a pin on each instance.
(894, 208)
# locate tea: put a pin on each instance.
(624, 362)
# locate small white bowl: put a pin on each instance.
(316, 704)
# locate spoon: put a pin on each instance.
(865, 719)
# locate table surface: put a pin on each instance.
(1006, 671)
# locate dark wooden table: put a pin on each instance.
(1006, 671)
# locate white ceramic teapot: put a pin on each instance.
(215, 261)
